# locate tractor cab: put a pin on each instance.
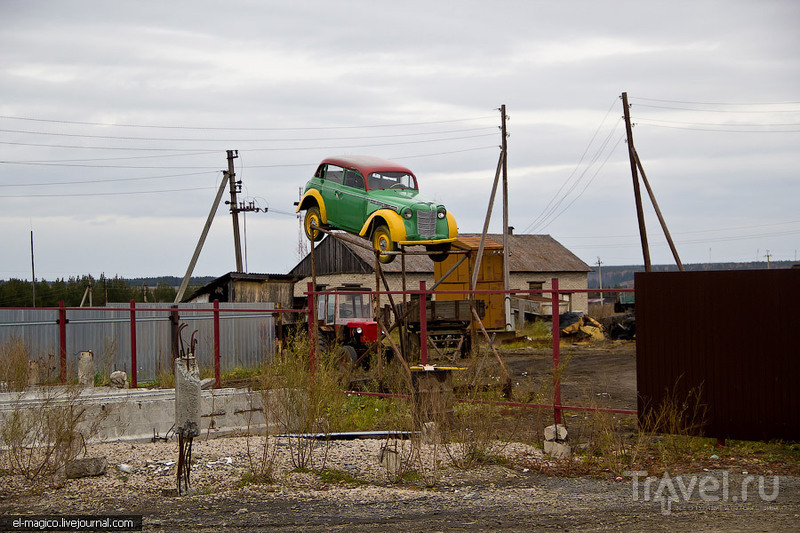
(345, 318)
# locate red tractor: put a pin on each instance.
(346, 320)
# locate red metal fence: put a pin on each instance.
(423, 293)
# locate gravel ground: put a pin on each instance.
(513, 496)
(523, 493)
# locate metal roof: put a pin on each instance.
(527, 253)
(536, 253)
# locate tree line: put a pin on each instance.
(86, 289)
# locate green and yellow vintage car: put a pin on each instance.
(378, 200)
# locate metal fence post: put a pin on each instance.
(133, 345)
(312, 328)
(62, 337)
(556, 309)
(423, 324)
(217, 379)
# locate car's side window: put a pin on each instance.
(333, 174)
(353, 178)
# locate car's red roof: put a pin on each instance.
(366, 164)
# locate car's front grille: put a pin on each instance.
(426, 223)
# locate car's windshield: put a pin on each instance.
(391, 180)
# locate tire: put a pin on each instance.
(413, 345)
(346, 357)
(382, 241)
(313, 216)
(438, 252)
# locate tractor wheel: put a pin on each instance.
(382, 241)
(313, 217)
(346, 358)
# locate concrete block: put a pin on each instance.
(187, 397)
(207, 384)
(557, 450)
(34, 372)
(86, 467)
(430, 433)
(556, 432)
(86, 369)
(390, 459)
(119, 379)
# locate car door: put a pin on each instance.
(331, 193)
(352, 201)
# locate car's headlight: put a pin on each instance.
(407, 213)
(441, 213)
(359, 331)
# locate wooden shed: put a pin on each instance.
(248, 288)
(490, 277)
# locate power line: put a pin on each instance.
(720, 130)
(730, 111)
(542, 220)
(716, 103)
(107, 180)
(715, 230)
(198, 128)
(739, 124)
(103, 193)
(200, 139)
(574, 170)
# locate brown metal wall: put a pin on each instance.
(736, 334)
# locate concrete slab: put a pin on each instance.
(139, 415)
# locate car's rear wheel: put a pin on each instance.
(313, 218)
(438, 252)
(382, 241)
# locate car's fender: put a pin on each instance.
(393, 220)
(452, 228)
(309, 198)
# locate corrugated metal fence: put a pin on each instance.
(733, 334)
(246, 338)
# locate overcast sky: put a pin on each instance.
(115, 118)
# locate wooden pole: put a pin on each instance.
(636, 192)
(506, 274)
(658, 212)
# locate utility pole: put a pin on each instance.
(768, 256)
(636, 192)
(506, 276)
(33, 272)
(600, 278)
(234, 189)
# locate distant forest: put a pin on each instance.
(98, 291)
(19, 293)
(615, 277)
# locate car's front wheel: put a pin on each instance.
(382, 241)
(313, 218)
(438, 252)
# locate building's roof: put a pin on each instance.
(527, 253)
(212, 285)
(538, 253)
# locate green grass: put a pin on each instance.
(331, 475)
(370, 413)
(249, 478)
